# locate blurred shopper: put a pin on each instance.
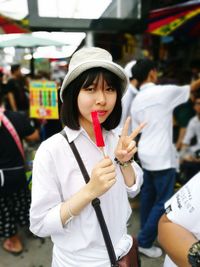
(179, 227)
(14, 194)
(154, 104)
(17, 94)
(190, 150)
(193, 129)
(128, 96)
(182, 115)
(2, 84)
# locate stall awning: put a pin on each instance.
(176, 20)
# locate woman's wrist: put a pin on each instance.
(89, 193)
(126, 163)
(74, 205)
(69, 210)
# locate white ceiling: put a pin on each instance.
(91, 9)
(79, 9)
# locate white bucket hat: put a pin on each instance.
(88, 58)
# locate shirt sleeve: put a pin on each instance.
(45, 217)
(175, 95)
(135, 189)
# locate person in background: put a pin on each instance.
(14, 192)
(179, 227)
(61, 200)
(182, 116)
(193, 128)
(17, 98)
(190, 150)
(128, 96)
(154, 105)
(2, 84)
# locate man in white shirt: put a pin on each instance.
(154, 104)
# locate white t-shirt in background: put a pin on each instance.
(184, 209)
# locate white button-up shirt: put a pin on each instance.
(56, 177)
(154, 105)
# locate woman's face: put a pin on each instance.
(98, 96)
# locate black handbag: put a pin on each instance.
(132, 258)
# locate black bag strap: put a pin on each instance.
(95, 204)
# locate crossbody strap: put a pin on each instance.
(95, 204)
(9, 126)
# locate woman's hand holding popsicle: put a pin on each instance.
(102, 178)
(126, 147)
(103, 175)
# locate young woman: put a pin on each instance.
(61, 200)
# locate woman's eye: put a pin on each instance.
(110, 89)
(90, 89)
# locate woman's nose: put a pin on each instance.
(101, 99)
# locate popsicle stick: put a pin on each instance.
(102, 149)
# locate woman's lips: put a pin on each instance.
(101, 112)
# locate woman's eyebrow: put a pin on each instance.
(89, 84)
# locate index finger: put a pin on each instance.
(126, 126)
(137, 130)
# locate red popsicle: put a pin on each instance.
(97, 129)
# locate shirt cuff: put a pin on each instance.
(135, 188)
(53, 221)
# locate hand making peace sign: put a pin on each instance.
(126, 147)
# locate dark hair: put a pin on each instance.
(14, 67)
(142, 68)
(70, 110)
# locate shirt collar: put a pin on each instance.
(73, 134)
(146, 85)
